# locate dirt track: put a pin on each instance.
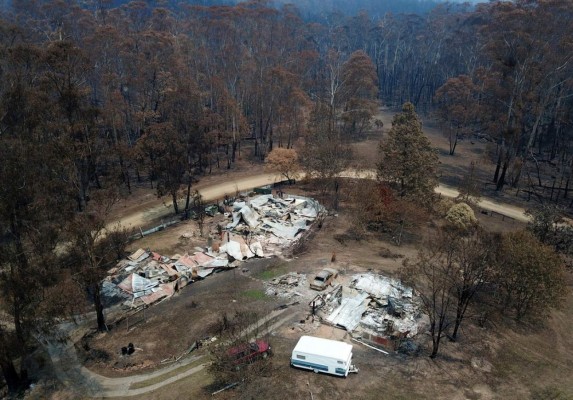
(156, 208)
(514, 212)
(69, 369)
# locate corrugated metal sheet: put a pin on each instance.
(138, 255)
(137, 285)
(350, 311)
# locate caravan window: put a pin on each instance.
(340, 362)
(300, 357)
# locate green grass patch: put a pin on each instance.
(172, 373)
(255, 294)
(272, 273)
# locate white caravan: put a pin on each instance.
(323, 355)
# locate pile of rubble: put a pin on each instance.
(373, 307)
(146, 277)
(262, 226)
(273, 223)
(286, 286)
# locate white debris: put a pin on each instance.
(233, 249)
(237, 205)
(379, 286)
(350, 311)
(285, 286)
(281, 230)
(378, 305)
(257, 248)
(250, 217)
(236, 220)
(276, 223)
(218, 263)
(259, 201)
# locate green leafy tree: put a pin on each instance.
(407, 160)
(543, 223)
(531, 275)
(461, 216)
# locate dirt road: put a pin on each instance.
(514, 212)
(72, 373)
(156, 208)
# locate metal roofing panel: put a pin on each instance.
(350, 311)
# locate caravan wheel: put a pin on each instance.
(315, 371)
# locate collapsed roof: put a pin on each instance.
(262, 226)
(153, 277)
(284, 218)
(376, 305)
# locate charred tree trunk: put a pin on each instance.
(460, 312)
(18, 323)
(517, 176)
(13, 380)
(234, 151)
(82, 166)
(436, 337)
(188, 195)
(174, 199)
(234, 142)
(453, 143)
(23, 268)
(497, 169)
(336, 194)
(101, 326)
(501, 180)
